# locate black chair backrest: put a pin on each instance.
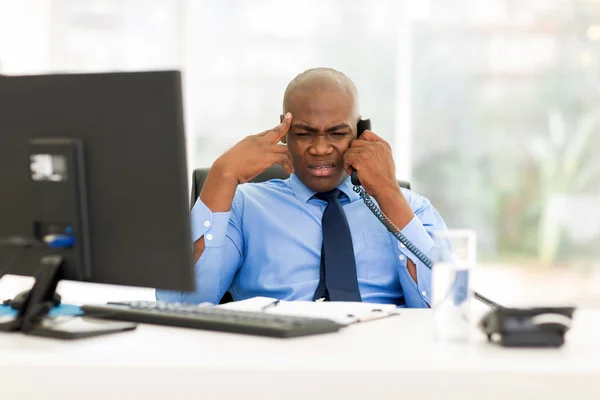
(274, 172)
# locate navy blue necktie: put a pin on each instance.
(338, 280)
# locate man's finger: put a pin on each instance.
(280, 148)
(350, 161)
(354, 150)
(284, 150)
(284, 160)
(359, 143)
(371, 137)
(280, 130)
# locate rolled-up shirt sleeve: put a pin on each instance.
(419, 232)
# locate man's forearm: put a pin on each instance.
(397, 209)
(218, 190)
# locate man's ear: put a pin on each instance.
(283, 139)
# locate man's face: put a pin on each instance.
(323, 125)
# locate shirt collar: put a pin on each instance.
(304, 194)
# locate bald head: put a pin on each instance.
(321, 80)
(324, 107)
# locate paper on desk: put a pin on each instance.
(342, 312)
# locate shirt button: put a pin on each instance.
(207, 223)
(424, 293)
(402, 245)
(209, 237)
(401, 258)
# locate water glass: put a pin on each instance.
(454, 258)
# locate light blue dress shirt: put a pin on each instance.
(269, 244)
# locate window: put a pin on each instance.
(492, 107)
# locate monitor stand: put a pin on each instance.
(32, 317)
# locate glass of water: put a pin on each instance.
(454, 258)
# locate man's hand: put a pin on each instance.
(254, 154)
(241, 163)
(371, 157)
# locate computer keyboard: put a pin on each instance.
(212, 318)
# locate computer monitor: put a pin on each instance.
(94, 180)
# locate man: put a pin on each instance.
(310, 237)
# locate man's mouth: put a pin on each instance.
(322, 169)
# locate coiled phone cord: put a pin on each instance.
(409, 245)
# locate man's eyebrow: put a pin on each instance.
(338, 127)
(305, 127)
(309, 128)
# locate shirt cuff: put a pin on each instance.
(211, 225)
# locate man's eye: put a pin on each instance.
(339, 134)
(302, 134)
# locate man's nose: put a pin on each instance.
(321, 145)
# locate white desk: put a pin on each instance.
(390, 358)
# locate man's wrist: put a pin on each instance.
(391, 195)
(221, 172)
(218, 189)
(394, 205)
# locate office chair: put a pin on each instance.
(274, 172)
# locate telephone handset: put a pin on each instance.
(365, 124)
